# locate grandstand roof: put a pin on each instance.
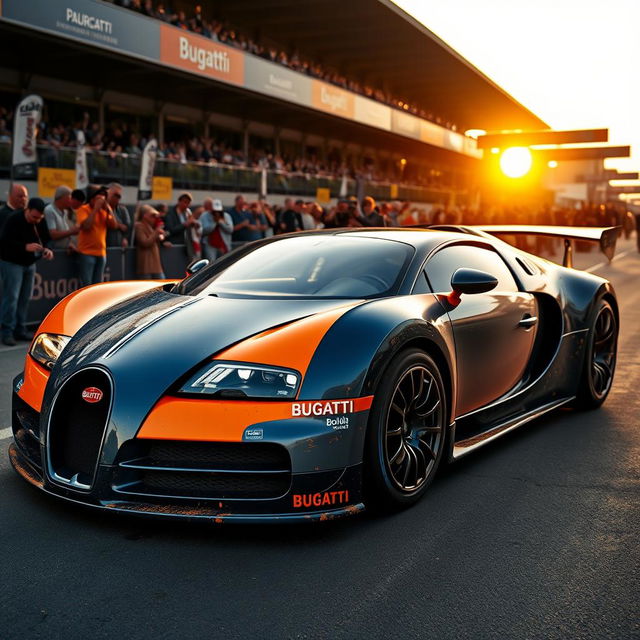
(376, 41)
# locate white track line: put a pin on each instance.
(5, 433)
(595, 267)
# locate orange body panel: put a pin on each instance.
(68, 316)
(291, 346)
(80, 306)
(221, 420)
(35, 380)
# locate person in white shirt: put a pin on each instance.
(58, 215)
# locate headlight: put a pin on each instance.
(47, 347)
(240, 380)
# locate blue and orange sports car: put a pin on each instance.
(308, 375)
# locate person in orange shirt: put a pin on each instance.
(93, 219)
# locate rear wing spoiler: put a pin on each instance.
(606, 237)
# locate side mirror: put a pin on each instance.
(470, 281)
(194, 267)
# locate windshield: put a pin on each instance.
(318, 266)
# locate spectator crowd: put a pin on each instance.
(82, 225)
(121, 136)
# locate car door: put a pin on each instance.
(494, 332)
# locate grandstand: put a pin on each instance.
(357, 89)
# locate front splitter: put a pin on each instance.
(198, 513)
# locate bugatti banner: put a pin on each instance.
(97, 23)
(200, 55)
(331, 99)
(25, 159)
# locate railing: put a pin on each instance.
(124, 168)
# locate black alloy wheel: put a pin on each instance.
(413, 429)
(600, 358)
(407, 432)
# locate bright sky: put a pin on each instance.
(574, 63)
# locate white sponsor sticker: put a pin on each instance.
(338, 423)
(321, 408)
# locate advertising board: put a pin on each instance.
(97, 23)
(200, 55)
(277, 81)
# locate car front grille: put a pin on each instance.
(76, 428)
(203, 470)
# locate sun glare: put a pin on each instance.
(515, 162)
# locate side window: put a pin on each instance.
(443, 264)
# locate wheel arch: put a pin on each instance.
(608, 295)
(434, 350)
(380, 490)
(587, 396)
(421, 335)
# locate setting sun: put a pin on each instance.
(515, 162)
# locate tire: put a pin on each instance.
(406, 432)
(600, 357)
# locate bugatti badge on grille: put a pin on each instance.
(92, 394)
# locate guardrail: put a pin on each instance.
(125, 168)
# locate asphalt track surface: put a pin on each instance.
(534, 536)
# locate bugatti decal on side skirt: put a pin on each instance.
(307, 376)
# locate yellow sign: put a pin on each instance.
(323, 195)
(162, 188)
(50, 179)
(393, 191)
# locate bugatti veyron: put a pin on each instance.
(310, 375)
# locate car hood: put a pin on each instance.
(147, 342)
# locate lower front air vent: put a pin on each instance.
(203, 470)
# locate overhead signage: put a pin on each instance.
(372, 113)
(405, 124)
(431, 133)
(275, 80)
(334, 100)
(97, 23)
(200, 55)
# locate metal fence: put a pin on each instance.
(124, 168)
(58, 278)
